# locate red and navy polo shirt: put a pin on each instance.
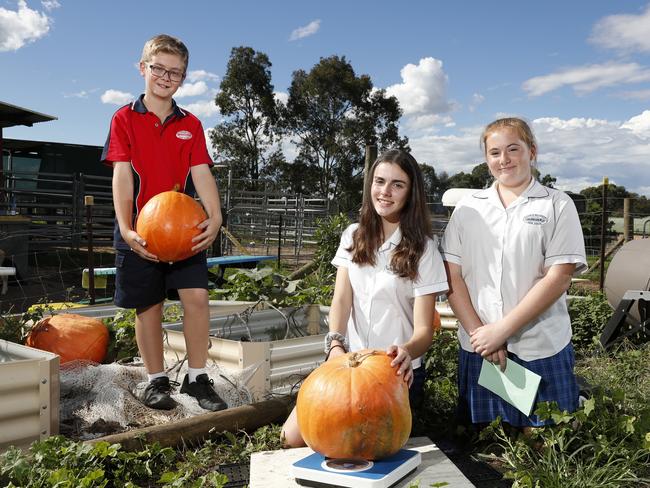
(161, 154)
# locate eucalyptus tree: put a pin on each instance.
(331, 115)
(246, 136)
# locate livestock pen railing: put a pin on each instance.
(54, 205)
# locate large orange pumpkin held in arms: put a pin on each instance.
(168, 223)
(355, 407)
(71, 336)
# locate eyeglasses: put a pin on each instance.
(160, 72)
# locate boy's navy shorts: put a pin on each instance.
(140, 283)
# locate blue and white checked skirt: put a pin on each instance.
(479, 405)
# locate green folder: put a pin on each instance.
(517, 385)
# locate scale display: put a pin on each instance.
(317, 471)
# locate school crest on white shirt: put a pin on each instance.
(535, 219)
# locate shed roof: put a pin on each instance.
(11, 115)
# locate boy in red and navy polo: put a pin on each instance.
(155, 146)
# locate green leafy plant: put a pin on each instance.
(328, 235)
(16, 327)
(626, 365)
(59, 462)
(605, 443)
(121, 329)
(585, 449)
(589, 315)
(276, 286)
(436, 416)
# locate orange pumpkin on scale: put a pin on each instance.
(355, 406)
(168, 223)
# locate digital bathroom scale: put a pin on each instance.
(318, 471)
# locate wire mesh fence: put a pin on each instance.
(44, 233)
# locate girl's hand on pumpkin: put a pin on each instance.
(204, 240)
(487, 339)
(402, 358)
(138, 245)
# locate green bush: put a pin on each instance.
(16, 327)
(58, 462)
(62, 463)
(589, 315)
(436, 416)
(274, 285)
(605, 443)
(328, 235)
(599, 445)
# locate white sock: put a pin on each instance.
(193, 373)
(156, 375)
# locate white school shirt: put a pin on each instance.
(382, 302)
(503, 252)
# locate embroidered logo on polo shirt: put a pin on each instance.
(184, 134)
(535, 219)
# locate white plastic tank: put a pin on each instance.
(629, 270)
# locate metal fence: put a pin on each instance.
(54, 206)
(42, 211)
(54, 215)
(275, 223)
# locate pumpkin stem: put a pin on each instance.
(177, 187)
(356, 359)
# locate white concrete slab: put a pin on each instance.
(272, 469)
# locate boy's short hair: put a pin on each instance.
(163, 43)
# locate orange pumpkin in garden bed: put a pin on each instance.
(355, 407)
(168, 223)
(71, 336)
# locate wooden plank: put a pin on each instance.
(192, 429)
(596, 263)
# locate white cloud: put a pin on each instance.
(201, 75)
(579, 152)
(191, 89)
(582, 149)
(20, 27)
(116, 97)
(79, 94)
(428, 123)
(305, 31)
(585, 79)
(639, 125)
(642, 95)
(288, 147)
(625, 32)
(423, 89)
(281, 97)
(477, 99)
(451, 153)
(50, 4)
(202, 108)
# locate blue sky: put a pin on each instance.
(578, 70)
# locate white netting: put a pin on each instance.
(97, 399)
